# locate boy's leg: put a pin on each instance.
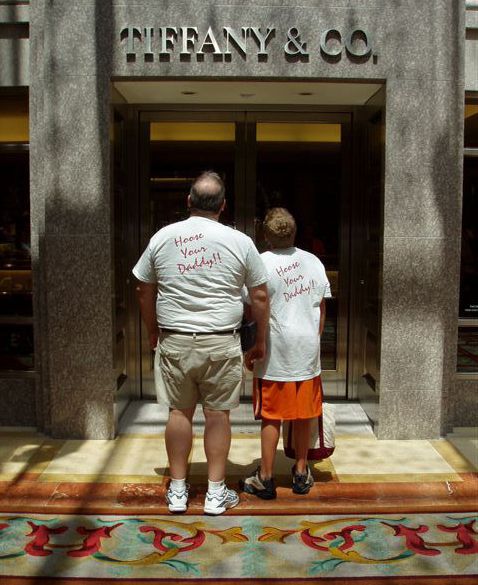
(270, 433)
(302, 479)
(301, 442)
(261, 483)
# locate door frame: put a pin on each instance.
(362, 386)
(246, 119)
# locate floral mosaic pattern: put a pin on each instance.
(238, 547)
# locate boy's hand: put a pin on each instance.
(256, 353)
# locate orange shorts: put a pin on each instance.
(287, 400)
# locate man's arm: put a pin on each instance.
(259, 302)
(146, 293)
(322, 317)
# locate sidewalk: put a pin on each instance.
(130, 473)
(380, 513)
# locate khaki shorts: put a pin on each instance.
(204, 369)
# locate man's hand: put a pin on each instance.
(146, 293)
(153, 339)
(256, 353)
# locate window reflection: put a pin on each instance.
(179, 152)
(299, 167)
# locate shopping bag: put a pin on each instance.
(322, 435)
(248, 335)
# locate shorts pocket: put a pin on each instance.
(170, 363)
(167, 353)
(225, 354)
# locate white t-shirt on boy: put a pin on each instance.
(297, 283)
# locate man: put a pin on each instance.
(191, 276)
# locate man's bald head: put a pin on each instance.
(207, 193)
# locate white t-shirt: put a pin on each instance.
(200, 267)
(297, 284)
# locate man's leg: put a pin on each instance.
(179, 437)
(217, 442)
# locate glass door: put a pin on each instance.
(298, 161)
(266, 160)
(173, 152)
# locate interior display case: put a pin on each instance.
(16, 309)
(467, 350)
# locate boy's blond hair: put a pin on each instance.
(279, 228)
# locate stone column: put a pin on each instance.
(71, 215)
(422, 227)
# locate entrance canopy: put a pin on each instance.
(300, 93)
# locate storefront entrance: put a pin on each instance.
(301, 160)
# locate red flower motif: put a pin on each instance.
(463, 534)
(41, 534)
(92, 543)
(2, 526)
(414, 542)
(159, 535)
(313, 541)
(345, 533)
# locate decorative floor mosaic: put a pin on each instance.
(239, 548)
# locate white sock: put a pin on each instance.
(215, 486)
(178, 485)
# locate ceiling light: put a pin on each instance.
(247, 95)
(189, 92)
(305, 93)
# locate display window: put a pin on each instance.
(467, 357)
(16, 314)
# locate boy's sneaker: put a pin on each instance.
(302, 482)
(218, 502)
(177, 500)
(262, 488)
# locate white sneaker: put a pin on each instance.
(218, 502)
(177, 500)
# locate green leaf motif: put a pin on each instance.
(326, 566)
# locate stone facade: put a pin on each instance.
(417, 51)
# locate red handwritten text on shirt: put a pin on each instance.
(179, 242)
(283, 269)
(290, 280)
(302, 290)
(186, 252)
(204, 262)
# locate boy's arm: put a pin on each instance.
(322, 317)
(259, 299)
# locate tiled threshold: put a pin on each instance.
(129, 475)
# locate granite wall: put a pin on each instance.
(417, 50)
(14, 45)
